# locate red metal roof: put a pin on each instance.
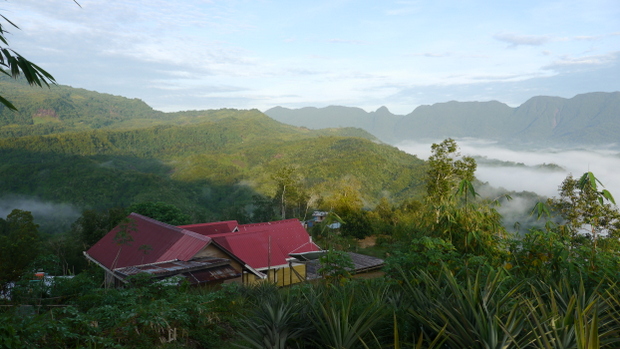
(262, 245)
(150, 241)
(212, 228)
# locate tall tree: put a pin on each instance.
(93, 225)
(290, 193)
(19, 245)
(346, 201)
(586, 210)
(454, 212)
(446, 170)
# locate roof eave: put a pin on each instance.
(90, 258)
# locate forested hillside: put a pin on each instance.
(205, 162)
(587, 119)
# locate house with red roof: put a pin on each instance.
(204, 253)
(266, 248)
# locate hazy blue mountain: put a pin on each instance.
(380, 123)
(586, 119)
(592, 118)
(455, 119)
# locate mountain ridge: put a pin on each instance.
(585, 119)
(97, 151)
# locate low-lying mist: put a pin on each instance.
(539, 171)
(51, 217)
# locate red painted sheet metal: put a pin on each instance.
(186, 246)
(267, 244)
(146, 241)
(307, 247)
(212, 228)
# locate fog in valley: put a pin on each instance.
(51, 217)
(529, 170)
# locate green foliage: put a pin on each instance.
(19, 245)
(216, 160)
(455, 227)
(357, 224)
(424, 254)
(477, 313)
(336, 265)
(93, 225)
(276, 323)
(290, 193)
(588, 220)
(161, 211)
(148, 315)
(472, 308)
(15, 65)
(339, 325)
(263, 209)
(446, 170)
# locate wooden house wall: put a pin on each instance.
(214, 251)
(281, 276)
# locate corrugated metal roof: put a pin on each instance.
(195, 271)
(212, 274)
(361, 262)
(262, 245)
(171, 267)
(148, 241)
(258, 245)
(212, 228)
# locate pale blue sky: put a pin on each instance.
(199, 54)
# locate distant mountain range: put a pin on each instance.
(586, 119)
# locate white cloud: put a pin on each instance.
(517, 40)
(567, 61)
(400, 53)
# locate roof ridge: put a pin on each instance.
(209, 223)
(304, 244)
(155, 221)
(172, 227)
(195, 235)
(242, 232)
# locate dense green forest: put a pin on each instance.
(198, 165)
(454, 278)
(97, 151)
